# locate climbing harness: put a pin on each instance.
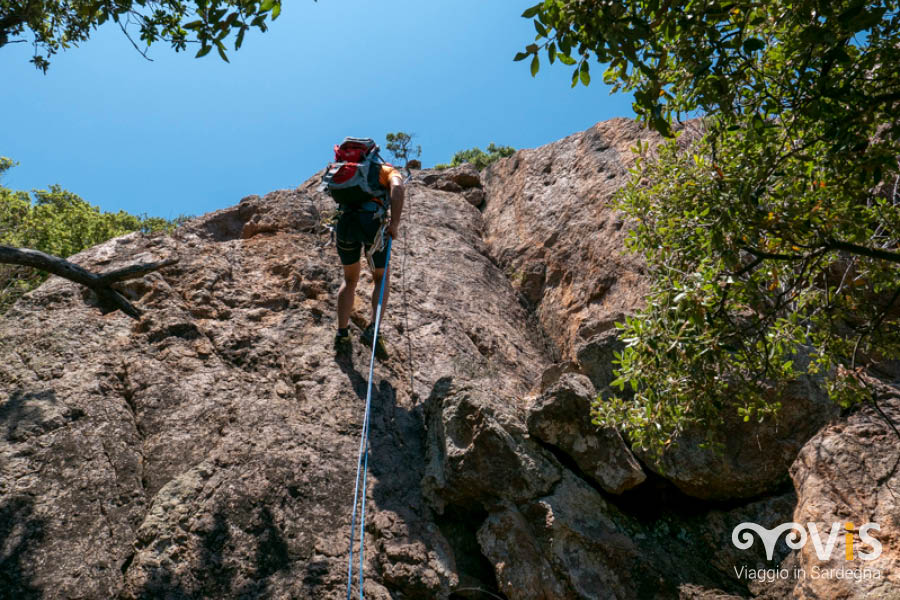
(377, 243)
(362, 464)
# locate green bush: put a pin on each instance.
(478, 158)
(60, 223)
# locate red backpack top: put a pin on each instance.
(353, 179)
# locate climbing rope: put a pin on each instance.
(362, 464)
(407, 241)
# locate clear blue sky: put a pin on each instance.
(185, 136)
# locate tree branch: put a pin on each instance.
(133, 271)
(771, 255)
(864, 251)
(855, 249)
(99, 283)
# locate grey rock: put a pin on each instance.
(755, 457)
(474, 457)
(561, 417)
(596, 355)
(523, 570)
(474, 196)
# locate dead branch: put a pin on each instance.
(100, 283)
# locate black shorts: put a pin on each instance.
(355, 230)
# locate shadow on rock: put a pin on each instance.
(420, 554)
(359, 383)
(28, 414)
(221, 569)
(21, 533)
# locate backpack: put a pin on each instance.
(352, 179)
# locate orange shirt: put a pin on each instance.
(384, 177)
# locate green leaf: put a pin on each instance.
(203, 51)
(276, 10)
(267, 5)
(221, 47)
(753, 44)
(535, 65)
(521, 56)
(551, 53)
(541, 30)
(530, 12)
(584, 75)
(565, 59)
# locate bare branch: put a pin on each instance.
(864, 251)
(133, 271)
(100, 284)
(128, 35)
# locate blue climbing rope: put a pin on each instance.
(362, 464)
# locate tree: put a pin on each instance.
(36, 229)
(773, 238)
(400, 145)
(478, 158)
(52, 26)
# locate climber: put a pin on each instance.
(365, 187)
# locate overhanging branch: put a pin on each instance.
(856, 249)
(100, 283)
(864, 251)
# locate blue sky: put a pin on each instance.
(185, 136)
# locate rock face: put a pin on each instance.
(848, 473)
(208, 450)
(550, 226)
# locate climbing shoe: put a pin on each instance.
(342, 345)
(366, 338)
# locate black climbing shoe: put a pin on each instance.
(343, 346)
(366, 338)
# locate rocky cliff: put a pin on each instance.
(208, 450)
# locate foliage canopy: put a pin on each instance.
(773, 233)
(51, 26)
(59, 223)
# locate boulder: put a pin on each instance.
(561, 418)
(479, 456)
(465, 176)
(848, 473)
(755, 457)
(474, 196)
(523, 569)
(595, 356)
(453, 179)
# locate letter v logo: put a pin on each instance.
(824, 553)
